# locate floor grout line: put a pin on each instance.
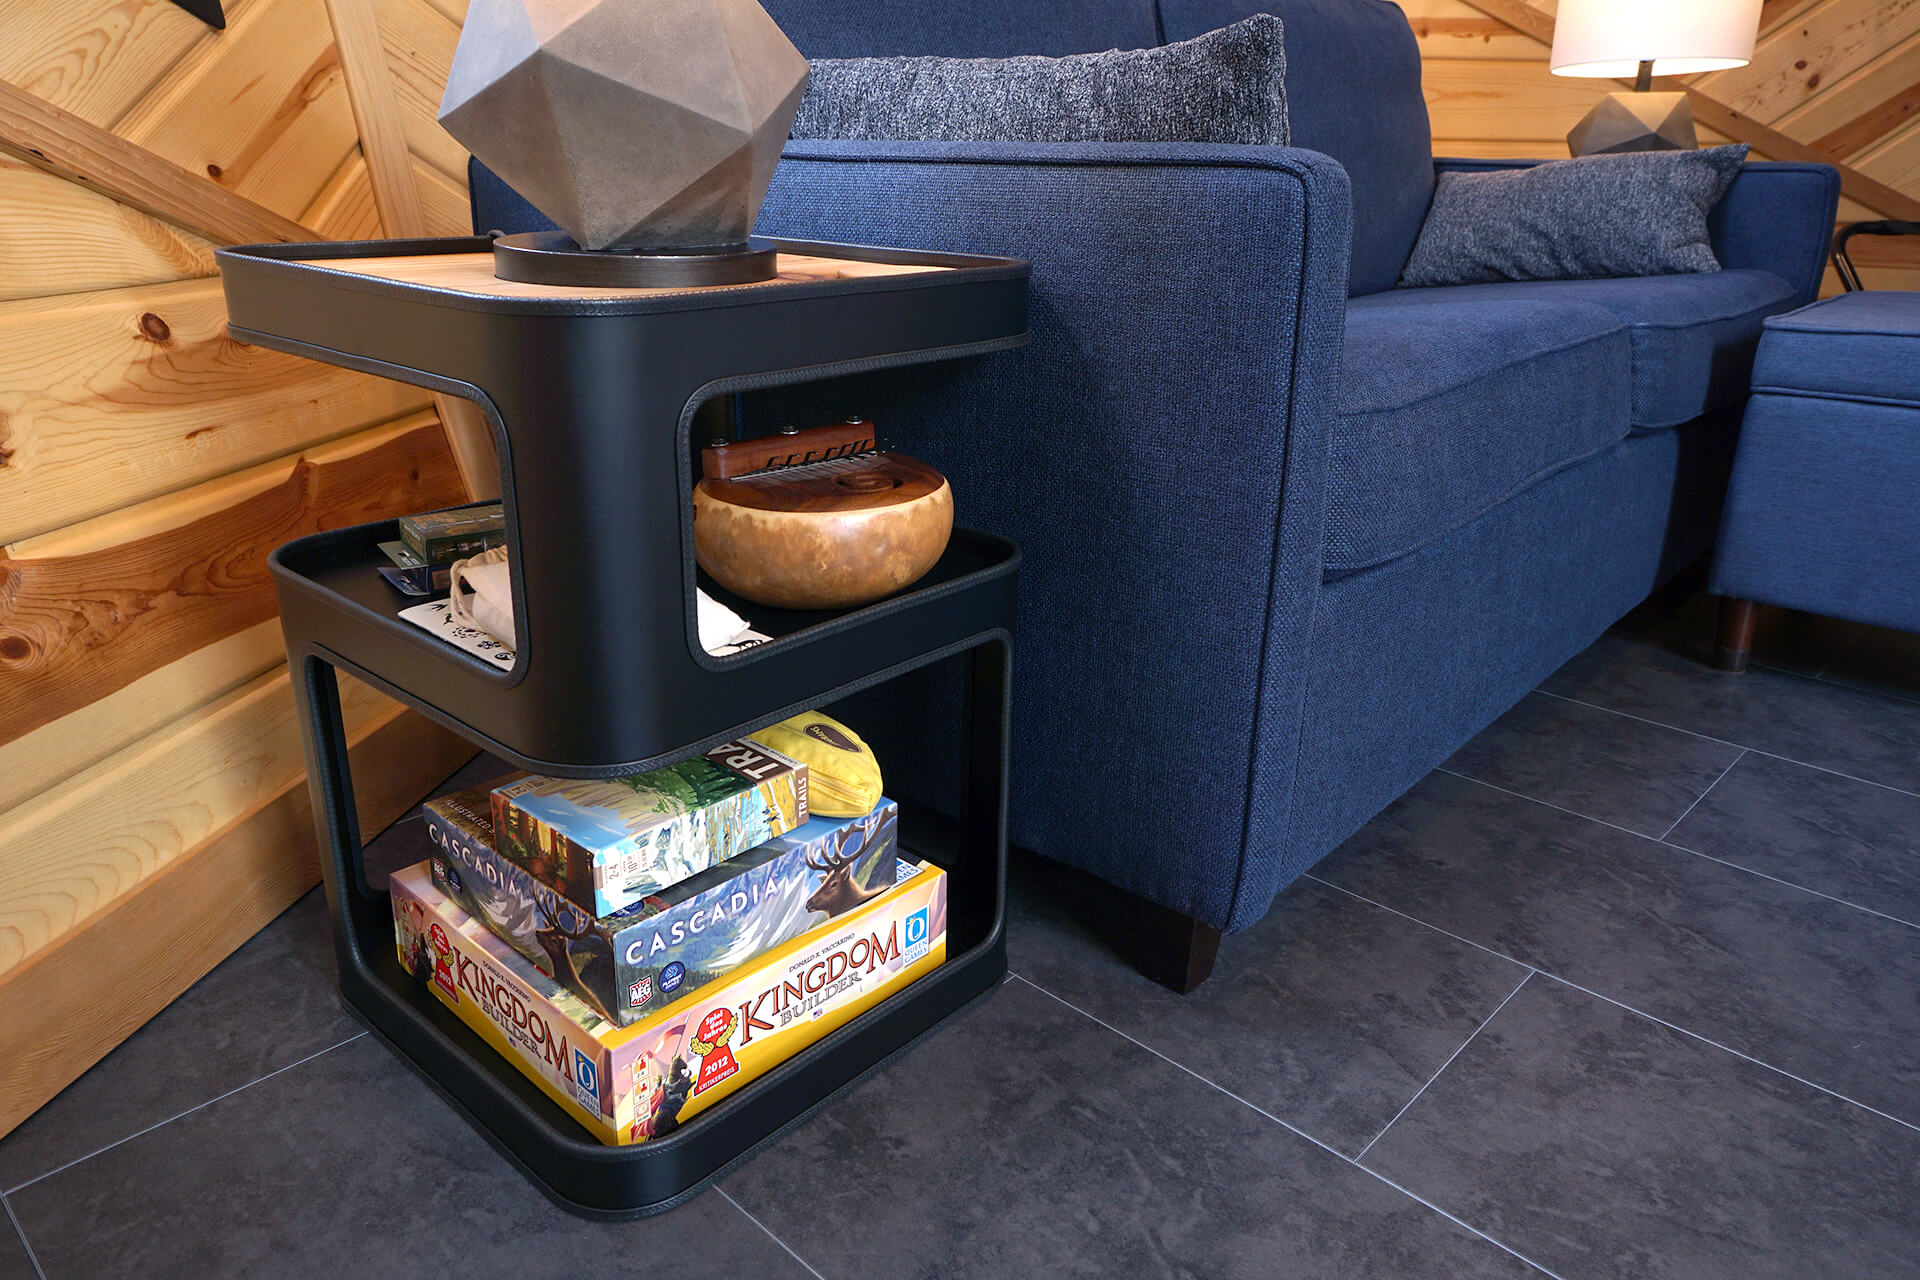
(1840, 653)
(1619, 1004)
(1728, 742)
(1525, 978)
(1845, 902)
(1675, 826)
(1663, 841)
(1545, 804)
(1831, 682)
(25, 1243)
(763, 1226)
(181, 1115)
(1297, 1132)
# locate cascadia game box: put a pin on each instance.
(607, 843)
(629, 1084)
(681, 938)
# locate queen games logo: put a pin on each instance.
(586, 1079)
(916, 936)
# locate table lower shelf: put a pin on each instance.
(560, 1156)
(597, 1181)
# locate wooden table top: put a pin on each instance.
(473, 273)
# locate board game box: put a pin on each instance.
(439, 538)
(607, 843)
(629, 1084)
(410, 574)
(681, 938)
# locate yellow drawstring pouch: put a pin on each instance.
(843, 778)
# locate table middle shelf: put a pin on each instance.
(585, 701)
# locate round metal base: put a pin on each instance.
(551, 257)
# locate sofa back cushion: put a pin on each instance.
(1226, 86)
(965, 28)
(1353, 93)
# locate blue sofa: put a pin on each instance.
(1292, 535)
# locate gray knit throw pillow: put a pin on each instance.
(1225, 86)
(1642, 214)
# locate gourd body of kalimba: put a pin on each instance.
(818, 519)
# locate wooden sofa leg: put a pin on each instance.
(1736, 633)
(1176, 951)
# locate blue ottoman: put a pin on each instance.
(1823, 513)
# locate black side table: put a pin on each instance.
(593, 396)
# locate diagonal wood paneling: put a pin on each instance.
(262, 111)
(1801, 58)
(345, 209)
(1896, 161)
(443, 201)
(97, 59)
(1834, 39)
(1858, 110)
(391, 167)
(1448, 29)
(419, 42)
(383, 143)
(65, 145)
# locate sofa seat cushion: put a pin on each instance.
(1858, 346)
(1693, 335)
(1452, 400)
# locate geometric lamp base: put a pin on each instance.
(1624, 121)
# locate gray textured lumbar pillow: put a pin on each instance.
(1225, 86)
(1642, 214)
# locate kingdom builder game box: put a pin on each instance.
(628, 1084)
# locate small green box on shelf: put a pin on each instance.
(441, 537)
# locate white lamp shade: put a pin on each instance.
(1680, 37)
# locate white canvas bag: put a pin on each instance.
(481, 595)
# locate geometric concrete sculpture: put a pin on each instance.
(1635, 122)
(633, 124)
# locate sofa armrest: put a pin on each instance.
(1158, 451)
(1777, 217)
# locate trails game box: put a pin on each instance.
(607, 843)
(681, 938)
(439, 538)
(629, 1084)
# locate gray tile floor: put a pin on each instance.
(1629, 987)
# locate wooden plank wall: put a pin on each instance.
(153, 813)
(1837, 80)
